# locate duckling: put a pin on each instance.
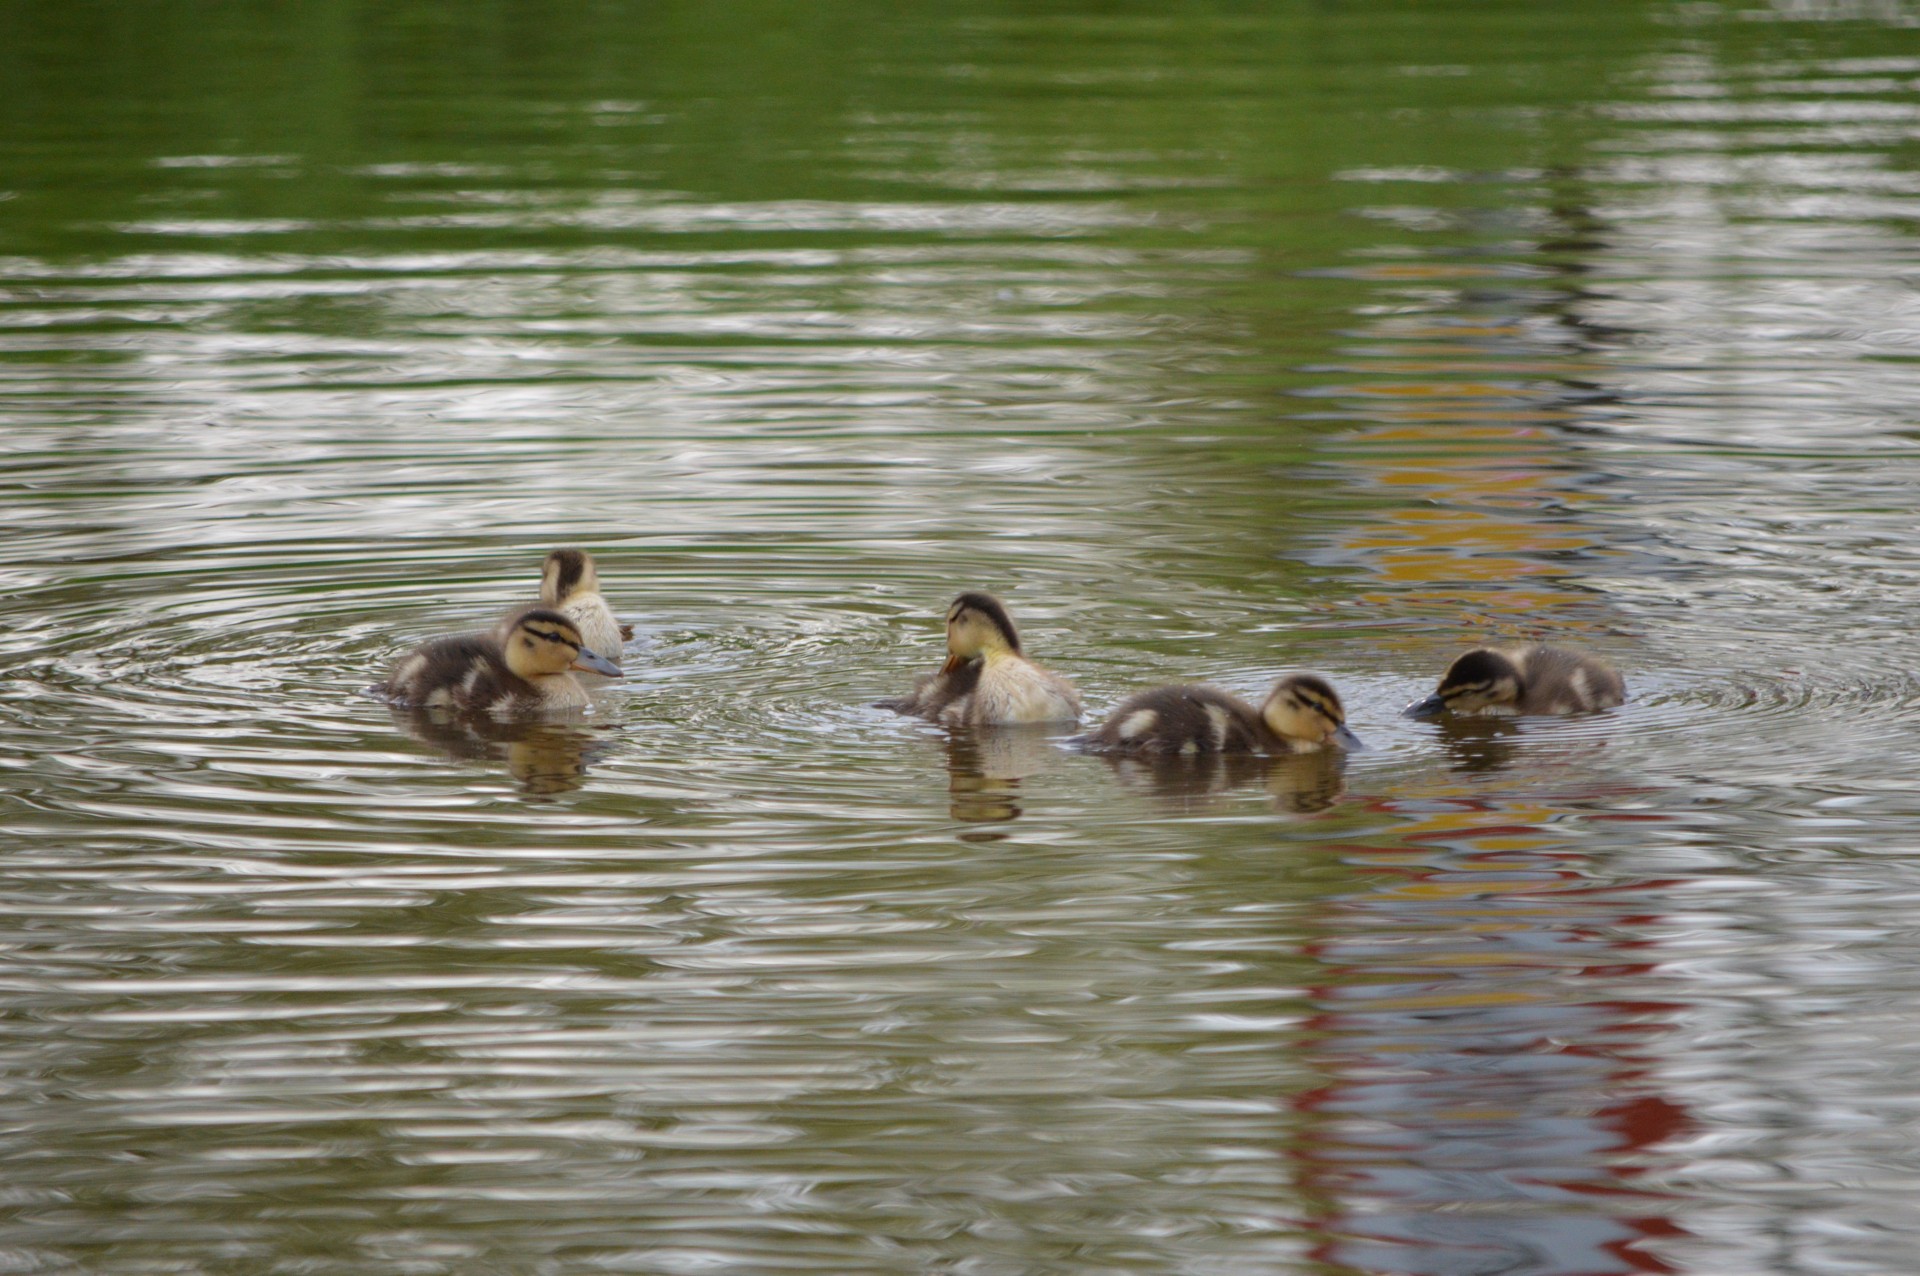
(987, 680)
(570, 585)
(524, 667)
(1302, 714)
(1531, 679)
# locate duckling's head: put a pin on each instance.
(541, 643)
(1306, 712)
(978, 625)
(1477, 681)
(567, 572)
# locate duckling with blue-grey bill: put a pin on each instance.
(525, 666)
(1534, 679)
(1302, 714)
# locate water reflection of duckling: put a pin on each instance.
(1302, 714)
(1299, 783)
(985, 768)
(544, 757)
(1183, 779)
(570, 585)
(524, 668)
(987, 680)
(1477, 744)
(1516, 680)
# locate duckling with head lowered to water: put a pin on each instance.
(1529, 679)
(570, 585)
(1302, 714)
(524, 667)
(987, 680)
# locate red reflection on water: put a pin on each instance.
(1486, 1106)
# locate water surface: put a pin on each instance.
(1219, 342)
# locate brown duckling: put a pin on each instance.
(523, 668)
(988, 680)
(1529, 679)
(1302, 714)
(570, 585)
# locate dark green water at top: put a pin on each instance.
(1219, 340)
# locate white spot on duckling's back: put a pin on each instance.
(1219, 724)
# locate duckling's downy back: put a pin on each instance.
(1184, 719)
(1560, 680)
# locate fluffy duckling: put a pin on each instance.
(1515, 680)
(1302, 714)
(570, 585)
(525, 667)
(987, 680)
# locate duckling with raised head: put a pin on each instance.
(1302, 714)
(570, 585)
(1529, 679)
(525, 667)
(988, 680)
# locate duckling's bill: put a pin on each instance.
(589, 662)
(1431, 707)
(1347, 739)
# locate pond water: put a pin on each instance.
(1219, 341)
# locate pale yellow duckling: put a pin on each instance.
(525, 667)
(570, 585)
(987, 680)
(1530, 679)
(1302, 714)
